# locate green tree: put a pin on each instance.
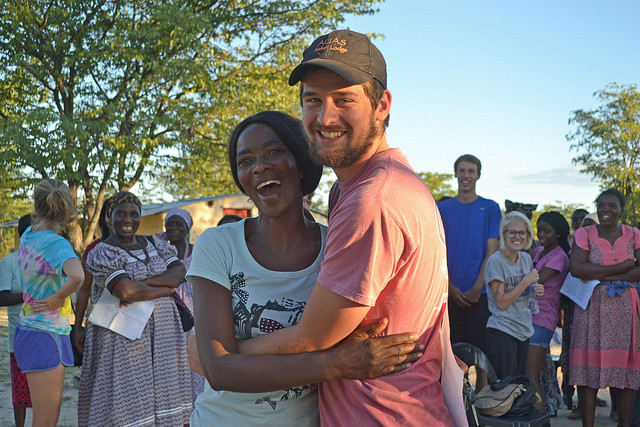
(438, 184)
(566, 209)
(608, 142)
(12, 206)
(103, 93)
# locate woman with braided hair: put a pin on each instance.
(552, 262)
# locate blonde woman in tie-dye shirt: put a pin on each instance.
(49, 271)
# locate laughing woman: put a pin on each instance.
(508, 274)
(254, 277)
(143, 381)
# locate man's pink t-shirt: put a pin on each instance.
(386, 249)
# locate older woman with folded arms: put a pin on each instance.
(605, 337)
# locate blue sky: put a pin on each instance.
(499, 79)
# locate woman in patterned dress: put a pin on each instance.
(177, 224)
(144, 381)
(605, 337)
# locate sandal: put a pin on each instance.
(613, 415)
(575, 414)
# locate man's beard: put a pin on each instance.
(350, 154)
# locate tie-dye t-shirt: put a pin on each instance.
(40, 260)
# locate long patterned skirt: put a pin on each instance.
(143, 382)
(605, 341)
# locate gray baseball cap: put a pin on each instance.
(349, 54)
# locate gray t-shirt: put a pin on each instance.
(516, 319)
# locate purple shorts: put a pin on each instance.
(37, 350)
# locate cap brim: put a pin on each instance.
(348, 73)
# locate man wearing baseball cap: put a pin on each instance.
(385, 255)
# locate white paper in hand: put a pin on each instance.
(579, 291)
(128, 321)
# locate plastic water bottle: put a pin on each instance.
(533, 299)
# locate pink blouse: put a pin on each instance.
(606, 253)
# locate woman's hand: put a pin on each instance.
(78, 338)
(172, 277)
(532, 276)
(539, 290)
(364, 355)
(627, 264)
(75, 276)
(581, 268)
(48, 304)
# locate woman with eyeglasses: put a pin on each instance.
(511, 283)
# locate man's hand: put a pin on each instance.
(473, 295)
(458, 297)
(48, 304)
(363, 355)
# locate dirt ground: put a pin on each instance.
(68, 410)
(602, 418)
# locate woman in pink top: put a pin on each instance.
(551, 260)
(605, 339)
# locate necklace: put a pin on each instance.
(144, 249)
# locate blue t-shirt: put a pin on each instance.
(467, 228)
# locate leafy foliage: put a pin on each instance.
(104, 93)
(608, 142)
(565, 209)
(12, 206)
(438, 185)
